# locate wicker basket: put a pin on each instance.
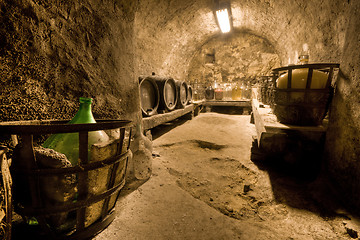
(33, 205)
(310, 106)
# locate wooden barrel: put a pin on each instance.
(167, 92)
(190, 93)
(306, 104)
(149, 96)
(96, 182)
(182, 93)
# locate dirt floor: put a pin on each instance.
(205, 186)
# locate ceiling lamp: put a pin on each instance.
(222, 16)
(222, 12)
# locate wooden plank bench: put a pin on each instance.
(156, 120)
(267, 125)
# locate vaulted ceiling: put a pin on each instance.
(170, 32)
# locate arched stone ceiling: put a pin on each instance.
(169, 32)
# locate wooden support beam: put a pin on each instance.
(213, 103)
(156, 120)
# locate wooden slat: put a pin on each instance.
(255, 93)
(29, 161)
(92, 229)
(28, 158)
(113, 172)
(244, 103)
(271, 124)
(156, 120)
(259, 124)
(331, 73)
(82, 178)
(311, 65)
(71, 170)
(289, 79)
(57, 126)
(309, 78)
(38, 212)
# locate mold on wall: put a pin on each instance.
(53, 52)
(168, 32)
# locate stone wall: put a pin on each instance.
(169, 32)
(290, 24)
(53, 52)
(239, 57)
(343, 136)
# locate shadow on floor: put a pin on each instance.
(301, 185)
(166, 127)
(231, 110)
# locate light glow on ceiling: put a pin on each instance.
(223, 20)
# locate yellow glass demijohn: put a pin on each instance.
(236, 92)
(299, 79)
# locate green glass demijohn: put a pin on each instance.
(68, 143)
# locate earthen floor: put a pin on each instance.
(205, 186)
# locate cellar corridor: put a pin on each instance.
(204, 186)
(133, 73)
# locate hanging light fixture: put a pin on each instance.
(223, 15)
(223, 20)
